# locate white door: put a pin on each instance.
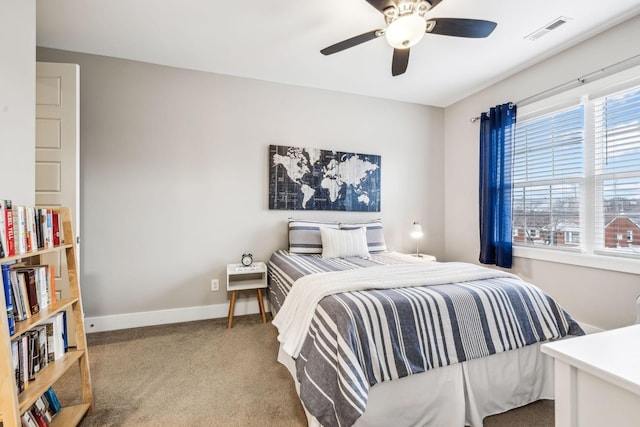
(58, 147)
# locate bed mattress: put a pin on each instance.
(356, 338)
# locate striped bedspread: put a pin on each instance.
(357, 338)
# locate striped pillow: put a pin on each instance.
(304, 236)
(375, 234)
(344, 243)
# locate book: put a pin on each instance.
(42, 285)
(21, 310)
(32, 237)
(65, 338)
(45, 283)
(52, 283)
(51, 397)
(10, 248)
(37, 218)
(33, 353)
(61, 229)
(43, 346)
(51, 338)
(43, 224)
(46, 228)
(3, 231)
(28, 420)
(37, 415)
(55, 337)
(6, 281)
(11, 318)
(16, 365)
(55, 223)
(42, 406)
(20, 229)
(28, 275)
(49, 220)
(23, 354)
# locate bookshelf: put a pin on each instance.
(12, 404)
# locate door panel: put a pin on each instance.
(58, 150)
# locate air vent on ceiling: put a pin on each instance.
(547, 28)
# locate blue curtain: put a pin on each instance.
(497, 130)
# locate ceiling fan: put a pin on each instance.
(406, 25)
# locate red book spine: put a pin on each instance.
(11, 244)
(56, 228)
(40, 419)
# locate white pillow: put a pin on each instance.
(375, 235)
(344, 243)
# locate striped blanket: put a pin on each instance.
(355, 338)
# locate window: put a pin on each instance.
(617, 171)
(576, 177)
(548, 175)
(571, 237)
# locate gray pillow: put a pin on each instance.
(304, 235)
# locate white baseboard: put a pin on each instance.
(188, 314)
(176, 315)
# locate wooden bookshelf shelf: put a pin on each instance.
(41, 317)
(36, 253)
(70, 415)
(49, 375)
(14, 405)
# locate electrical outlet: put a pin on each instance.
(215, 285)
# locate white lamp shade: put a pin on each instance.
(406, 31)
(416, 230)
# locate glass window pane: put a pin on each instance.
(620, 218)
(550, 147)
(547, 215)
(617, 168)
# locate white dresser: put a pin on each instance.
(597, 379)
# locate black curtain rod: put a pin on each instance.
(603, 72)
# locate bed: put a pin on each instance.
(374, 337)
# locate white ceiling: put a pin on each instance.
(280, 40)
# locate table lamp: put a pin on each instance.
(416, 233)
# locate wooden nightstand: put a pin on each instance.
(241, 278)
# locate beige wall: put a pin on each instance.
(602, 298)
(174, 169)
(17, 100)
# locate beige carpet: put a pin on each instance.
(203, 374)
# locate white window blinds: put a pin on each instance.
(576, 177)
(617, 173)
(548, 177)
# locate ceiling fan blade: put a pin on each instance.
(460, 27)
(381, 5)
(400, 61)
(434, 3)
(353, 41)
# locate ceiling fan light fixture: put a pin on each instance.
(422, 7)
(406, 31)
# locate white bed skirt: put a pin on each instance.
(456, 395)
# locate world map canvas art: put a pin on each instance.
(315, 179)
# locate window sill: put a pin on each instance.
(603, 262)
